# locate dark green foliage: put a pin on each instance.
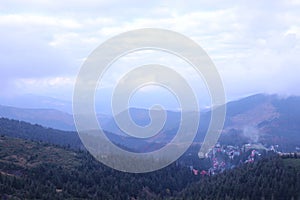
(270, 178)
(32, 170)
(24, 130)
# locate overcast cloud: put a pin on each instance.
(254, 44)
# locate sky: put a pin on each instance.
(255, 45)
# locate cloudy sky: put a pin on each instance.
(254, 44)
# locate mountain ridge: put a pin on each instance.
(260, 118)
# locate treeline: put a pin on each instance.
(24, 130)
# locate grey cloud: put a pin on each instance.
(246, 40)
(26, 54)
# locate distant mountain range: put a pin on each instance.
(46, 117)
(36, 102)
(261, 118)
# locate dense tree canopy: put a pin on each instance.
(35, 170)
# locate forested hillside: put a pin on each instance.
(41, 171)
(271, 178)
(24, 130)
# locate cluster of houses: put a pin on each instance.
(228, 157)
(222, 157)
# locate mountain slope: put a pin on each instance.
(24, 130)
(266, 119)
